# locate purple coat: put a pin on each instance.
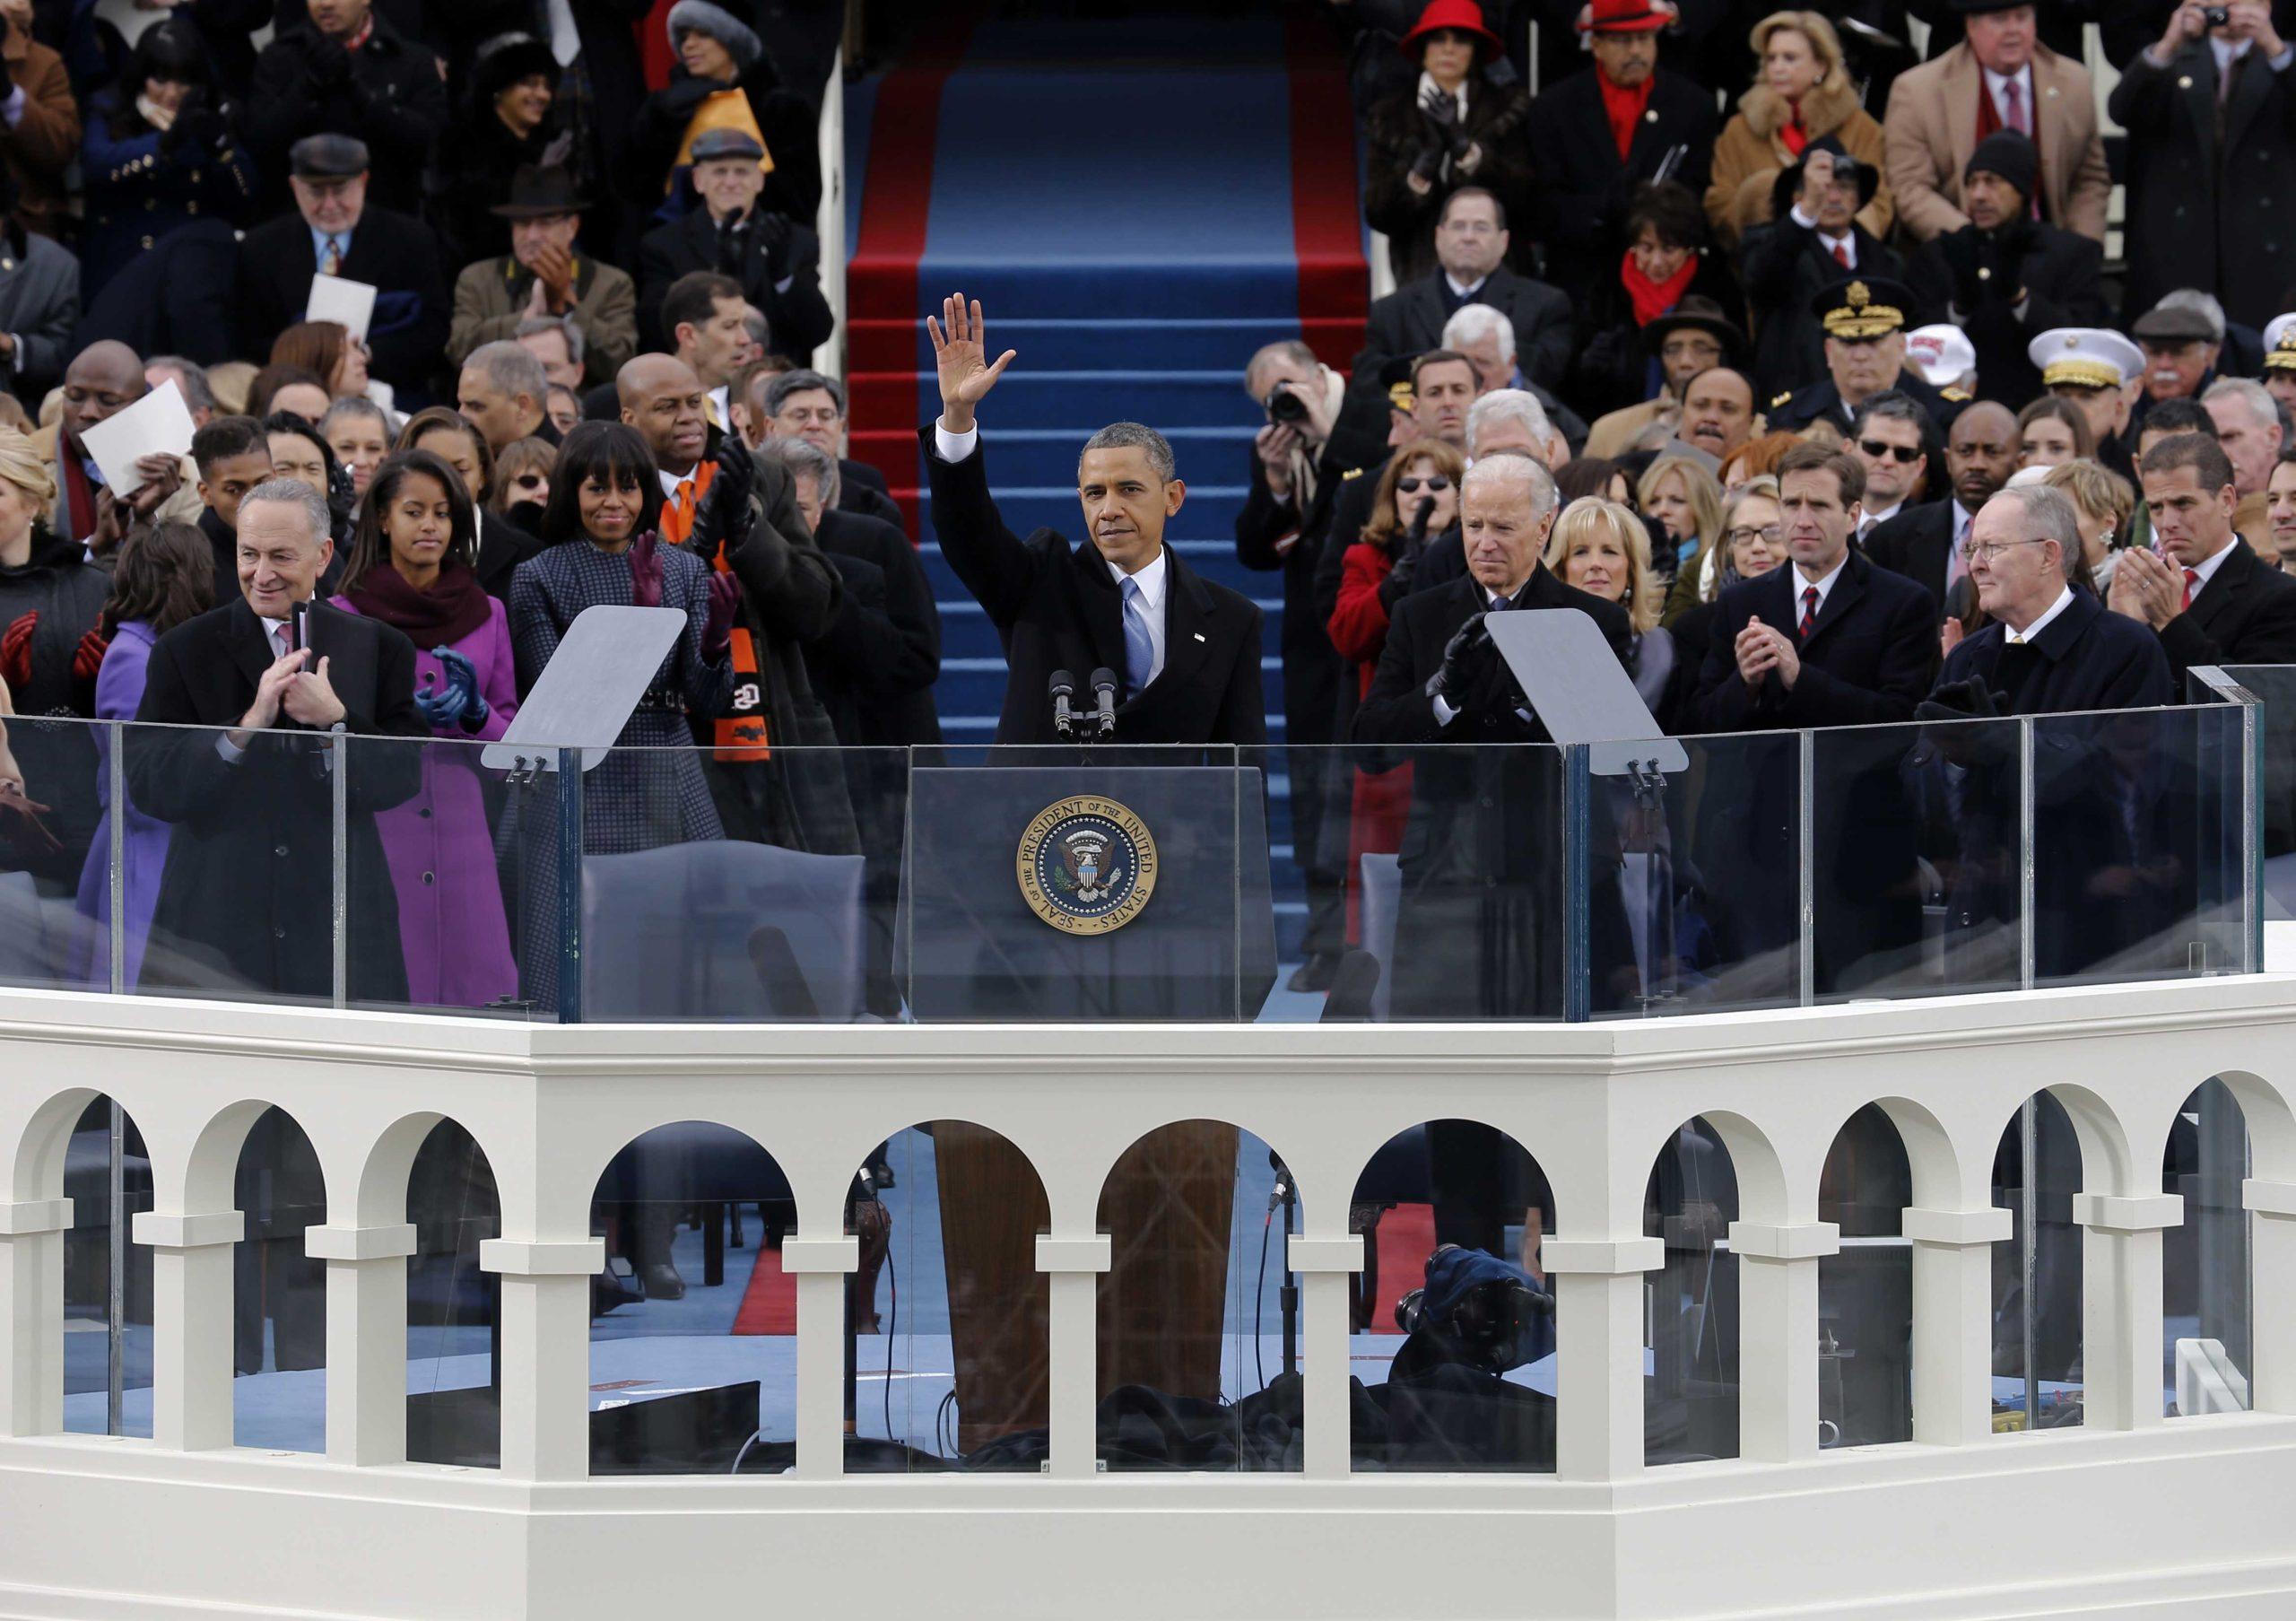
(439, 848)
(119, 689)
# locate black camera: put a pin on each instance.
(1285, 408)
(2217, 16)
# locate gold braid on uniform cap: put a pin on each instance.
(2082, 373)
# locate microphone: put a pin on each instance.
(1064, 688)
(1104, 691)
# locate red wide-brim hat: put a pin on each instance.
(1464, 15)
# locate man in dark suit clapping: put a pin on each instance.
(246, 899)
(2202, 590)
(1825, 639)
(1186, 651)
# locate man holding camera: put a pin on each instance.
(2212, 160)
(1296, 470)
(1812, 240)
(346, 71)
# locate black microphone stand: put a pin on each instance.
(1287, 1294)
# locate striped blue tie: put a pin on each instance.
(1139, 646)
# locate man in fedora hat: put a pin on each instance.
(1595, 136)
(1812, 240)
(544, 277)
(1864, 321)
(2005, 275)
(335, 230)
(2000, 76)
(1693, 338)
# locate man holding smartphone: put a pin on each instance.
(246, 899)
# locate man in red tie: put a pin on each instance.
(2202, 589)
(2000, 76)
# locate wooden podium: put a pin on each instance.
(1202, 948)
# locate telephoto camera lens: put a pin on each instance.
(1286, 407)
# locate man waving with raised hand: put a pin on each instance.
(1186, 652)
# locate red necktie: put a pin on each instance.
(2192, 584)
(1841, 254)
(1809, 612)
(2014, 96)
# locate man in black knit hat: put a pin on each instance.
(2007, 275)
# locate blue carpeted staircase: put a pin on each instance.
(1127, 225)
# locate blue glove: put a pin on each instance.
(437, 708)
(468, 710)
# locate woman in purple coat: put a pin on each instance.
(164, 575)
(410, 567)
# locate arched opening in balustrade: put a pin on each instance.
(1454, 1314)
(1690, 1406)
(278, 1318)
(950, 1343)
(1192, 1314)
(453, 1325)
(1866, 1290)
(693, 1349)
(2037, 1275)
(107, 1279)
(2208, 1360)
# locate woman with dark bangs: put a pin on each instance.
(600, 547)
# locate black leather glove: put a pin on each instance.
(1396, 586)
(773, 242)
(726, 517)
(1442, 113)
(1428, 164)
(1966, 700)
(1463, 655)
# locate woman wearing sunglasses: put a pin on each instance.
(522, 480)
(1417, 500)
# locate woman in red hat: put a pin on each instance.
(1454, 128)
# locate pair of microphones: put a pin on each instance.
(1087, 725)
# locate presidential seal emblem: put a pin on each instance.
(1087, 865)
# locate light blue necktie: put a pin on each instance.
(1139, 646)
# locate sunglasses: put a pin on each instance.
(529, 481)
(1900, 454)
(1435, 484)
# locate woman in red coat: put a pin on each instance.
(1417, 500)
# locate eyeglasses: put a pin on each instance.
(1768, 536)
(1434, 484)
(1992, 549)
(1903, 455)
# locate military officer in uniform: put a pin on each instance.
(1864, 320)
(2097, 370)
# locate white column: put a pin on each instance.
(1777, 1336)
(1598, 1391)
(545, 1331)
(1952, 1321)
(1326, 1266)
(2120, 1305)
(192, 1294)
(819, 1266)
(32, 1315)
(1072, 1348)
(2271, 1295)
(366, 1340)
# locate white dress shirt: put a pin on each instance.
(1803, 584)
(1846, 242)
(1153, 578)
(2019, 638)
(2206, 569)
(1874, 519)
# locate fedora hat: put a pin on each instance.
(1789, 177)
(537, 192)
(1626, 17)
(1701, 314)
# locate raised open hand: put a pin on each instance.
(961, 355)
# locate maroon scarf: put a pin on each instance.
(454, 607)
